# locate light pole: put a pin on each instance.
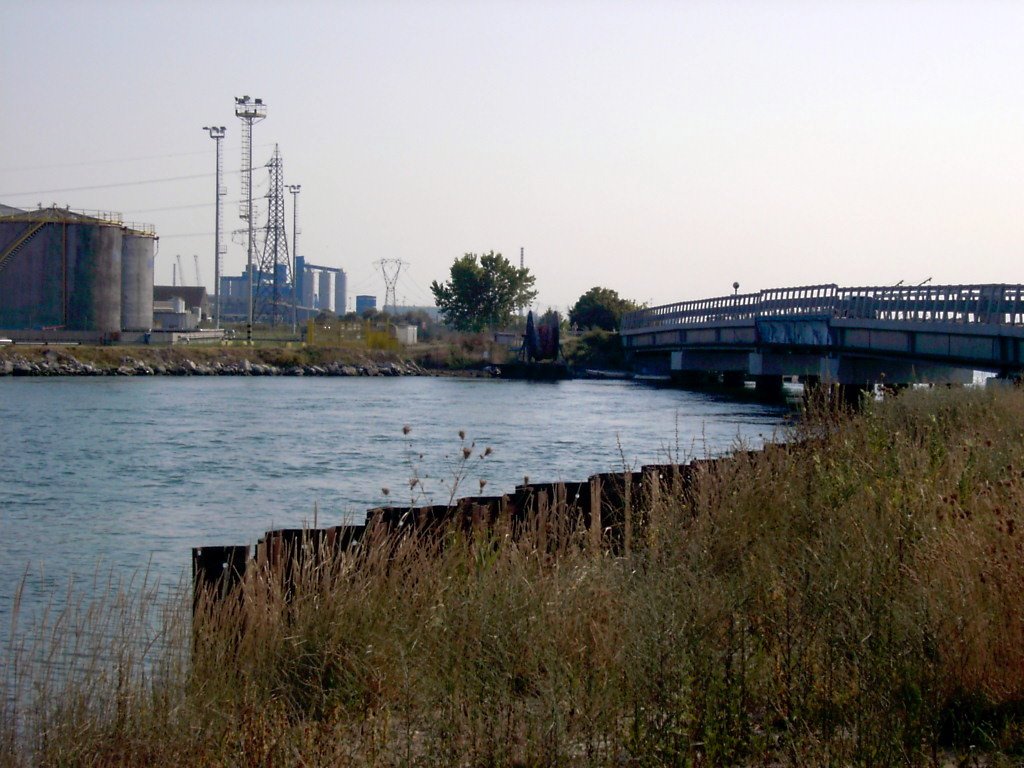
(216, 133)
(294, 189)
(249, 111)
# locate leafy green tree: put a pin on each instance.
(600, 308)
(483, 292)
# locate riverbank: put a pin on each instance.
(42, 360)
(469, 356)
(855, 599)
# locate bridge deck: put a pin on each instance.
(955, 326)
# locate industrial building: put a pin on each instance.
(75, 271)
(364, 302)
(180, 307)
(320, 287)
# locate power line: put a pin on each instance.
(108, 186)
(113, 185)
(105, 162)
(424, 294)
(173, 208)
(187, 234)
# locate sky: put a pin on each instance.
(662, 149)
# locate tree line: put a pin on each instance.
(487, 291)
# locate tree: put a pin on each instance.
(325, 317)
(600, 308)
(483, 293)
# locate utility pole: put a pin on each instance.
(249, 112)
(217, 133)
(294, 189)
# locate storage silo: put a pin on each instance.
(339, 292)
(32, 285)
(308, 287)
(60, 269)
(137, 256)
(94, 277)
(326, 294)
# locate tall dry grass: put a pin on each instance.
(853, 598)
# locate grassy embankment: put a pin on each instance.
(856, 600)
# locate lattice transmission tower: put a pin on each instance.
(274, 276)
(390, 269)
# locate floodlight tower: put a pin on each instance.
(249, 111)
(390, 268)
(294, 189)
(217, 134)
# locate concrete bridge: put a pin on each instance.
(851, 336)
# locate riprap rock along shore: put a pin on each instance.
(63, 364)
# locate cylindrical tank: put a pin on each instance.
(31, 276)
(94, 277)
(63, 269)
(326, 292)
(308, 287)
(137, 254)
(339, 292)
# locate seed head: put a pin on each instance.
(467, 452)
(385, 491)
(462, 434)
(406, 429)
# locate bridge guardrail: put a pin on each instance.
(993, 304)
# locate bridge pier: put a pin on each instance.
(734, 379)
(768, 386)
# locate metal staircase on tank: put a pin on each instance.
(17, 245)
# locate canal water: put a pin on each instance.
(116, 475)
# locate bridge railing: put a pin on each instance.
(994, 304)
(735, 307)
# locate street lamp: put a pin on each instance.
(249, 111)
(216, 133)
(294, 189)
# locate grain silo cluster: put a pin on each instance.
(73, 271)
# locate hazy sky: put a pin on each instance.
(660, 149)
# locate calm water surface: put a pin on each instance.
(113, 475)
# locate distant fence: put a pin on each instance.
(995, 304)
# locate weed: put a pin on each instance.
(853, 597)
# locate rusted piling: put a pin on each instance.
(217, 571)
(283, 554)
(608, 512)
